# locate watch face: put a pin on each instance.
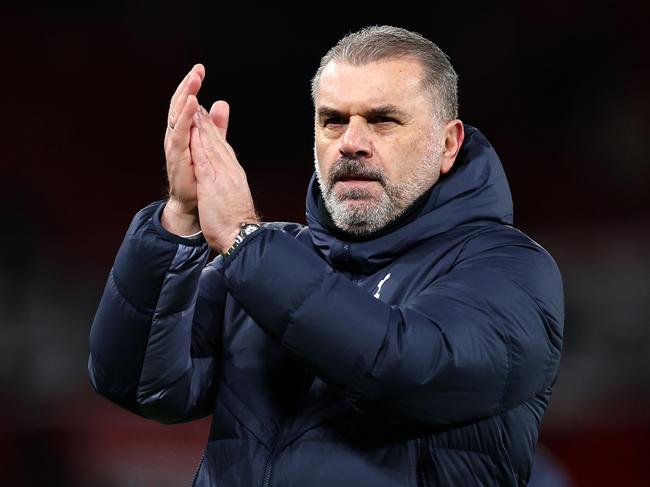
(248, 229)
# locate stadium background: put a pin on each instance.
(559, 88)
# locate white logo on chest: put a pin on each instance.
(381, 283)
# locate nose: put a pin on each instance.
(356, 141)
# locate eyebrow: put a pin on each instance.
(389, 110)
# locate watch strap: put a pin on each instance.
(245, 230)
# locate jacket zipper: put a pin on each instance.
(271, 457)
(269, 461)
(280, 436)
(196, 473)
(267, 472)
(422, 480)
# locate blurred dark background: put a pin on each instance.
(561, 89)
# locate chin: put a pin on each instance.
(357, 204)
(360, 194)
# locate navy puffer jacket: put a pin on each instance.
(423, 356)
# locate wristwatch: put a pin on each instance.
(245, 230)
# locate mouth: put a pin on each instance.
(356, 183)
(354, 176)
(355, 179)
(356, 188)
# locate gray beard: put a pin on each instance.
(355, 211)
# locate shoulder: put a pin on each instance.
(510, 253)
(505, 241)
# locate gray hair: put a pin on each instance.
(382, 42)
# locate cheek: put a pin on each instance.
(325, 155)
(393, 154)
(401, 157)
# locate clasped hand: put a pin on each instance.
(208, 189)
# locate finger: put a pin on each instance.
(217, 149)
(189, 86)
(200, 70)
(212, 128)
(177, 93)
(181, 134)
(192, 87)
(220, 114)
(203, 170)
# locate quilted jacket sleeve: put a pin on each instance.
(480, 340)
(153, 342)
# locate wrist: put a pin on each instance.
(176, 219)
(228, 247)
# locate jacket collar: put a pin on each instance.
(476, 189)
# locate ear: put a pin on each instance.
(454, 134)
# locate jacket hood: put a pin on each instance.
(476, 189)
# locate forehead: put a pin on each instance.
(396, 81)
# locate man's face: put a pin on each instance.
(377, 141)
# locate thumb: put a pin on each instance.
(220, 114)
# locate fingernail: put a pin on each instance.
(204, 111)
(197, 115)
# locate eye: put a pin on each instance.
(383, 120)
(333, 121)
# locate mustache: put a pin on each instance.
(346, 167)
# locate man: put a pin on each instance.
(409, 335)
